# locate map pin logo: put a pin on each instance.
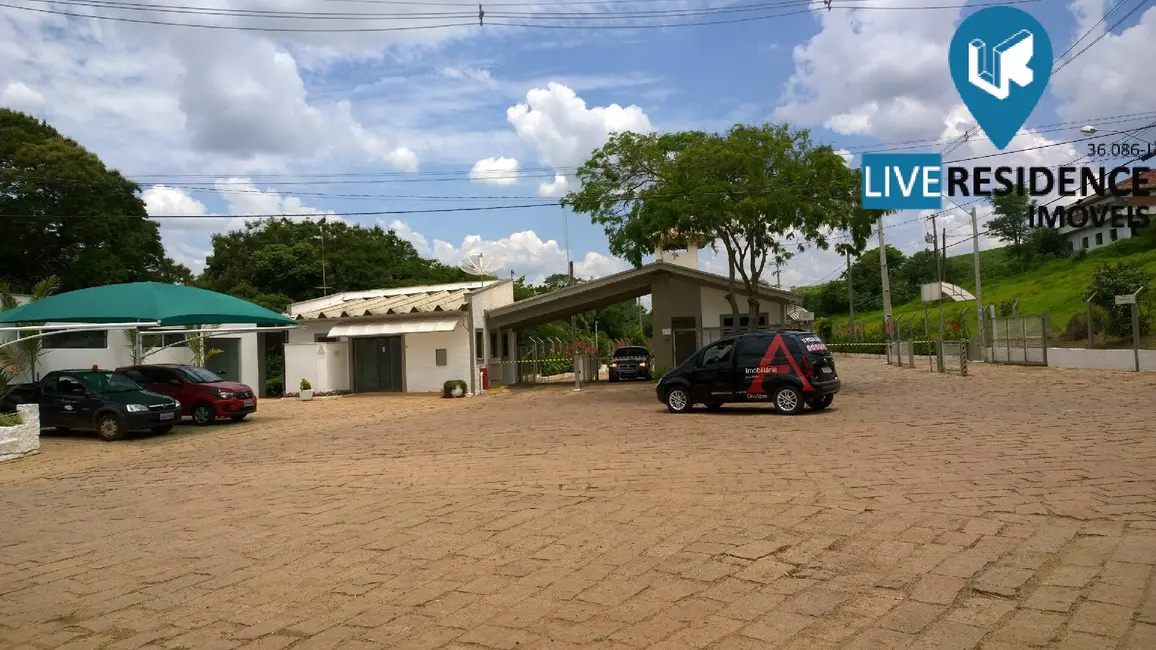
(1000, 60)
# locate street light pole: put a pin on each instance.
(978, 288)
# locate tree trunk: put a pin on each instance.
(731, 297)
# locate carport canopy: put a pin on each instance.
(610, 290)
(155, 303)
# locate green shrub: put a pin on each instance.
(449, 386)
(305, 385)
(9, 419)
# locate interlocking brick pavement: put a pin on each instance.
(1012, 508)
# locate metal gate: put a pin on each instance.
(1021, 339)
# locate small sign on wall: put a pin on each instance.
(666, 331)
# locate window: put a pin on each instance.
(1099, 239)
(440, 356)
(199, 375)
(717, 354)
(63, 386)
(151, 376)
(137, 376)
(728, 321)
(478, 341)
(1113, 235)
(753, 350)
(1085, 242)
(493, 344)
(321, 338)
(91, 340)
(164, 340)
(1071, 246)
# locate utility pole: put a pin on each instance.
(938, 288)
(978, 289)
(574, 330)
(324, 283)
(943, 243)
(778, 275)
(851, 297)
(886, 284)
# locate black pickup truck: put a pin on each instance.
(100, 400)
(631, 362)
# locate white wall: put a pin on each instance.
(715, 306)
(309, 329)
(422, 374)
(1076, 237)
(1101, 359)
(115, 354)
(324, 365)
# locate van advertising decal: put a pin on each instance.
(777, 345)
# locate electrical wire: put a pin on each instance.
(448, 15)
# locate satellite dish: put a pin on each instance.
(479, 264)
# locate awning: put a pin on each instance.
(154, 302)
(409, 326)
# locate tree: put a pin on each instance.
(276, 262)
(22, 357)
(761, 193)
(195, 339)
(1111, 280)
(1012, 224)
(65, 213)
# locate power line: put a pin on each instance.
(811, 4)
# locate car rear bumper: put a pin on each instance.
(151, 419)
(825, 388)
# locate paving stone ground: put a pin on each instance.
(1013, 508)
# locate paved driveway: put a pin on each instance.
(1013, 508)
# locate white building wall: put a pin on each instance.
(1076, 237)
(324, 365)
(309, 330)
(422, 374)
(715, 305)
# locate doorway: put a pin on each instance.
(227, 363)
(377, 364)
(685, 331)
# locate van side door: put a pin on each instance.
(711, 379)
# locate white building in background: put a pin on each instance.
(109, 349)
(407, 339)
(1091, 236)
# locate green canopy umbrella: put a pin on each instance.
(143, 302)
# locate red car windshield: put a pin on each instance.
(200, 376)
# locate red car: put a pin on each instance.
(202, 394)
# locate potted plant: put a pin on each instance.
(454, 388)
(306, 390)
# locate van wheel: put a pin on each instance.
(109, 428)
(164, 429)
(678, 400)
(714, 407)
(822, 402)
(788, 400)
(203, 414)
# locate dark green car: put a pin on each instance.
(99, 400)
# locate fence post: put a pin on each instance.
(1088, 304)
(1136, 327)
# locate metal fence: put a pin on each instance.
(1022, 339)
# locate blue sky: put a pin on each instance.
(218, 123)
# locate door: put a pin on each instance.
(377, 364)
(64, 400)
(227, 363)
(754, 372)
(685, 334)
(712, 380)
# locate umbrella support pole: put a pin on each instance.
(64, 329)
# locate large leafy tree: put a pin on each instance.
(1010, 222)
(762, 193)
(276, 262)
(64, 213)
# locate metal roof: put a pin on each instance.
(420, 302)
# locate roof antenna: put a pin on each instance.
(481, 14)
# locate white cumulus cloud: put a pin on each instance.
(495, 171)
(563, 131)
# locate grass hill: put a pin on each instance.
(1054, 286)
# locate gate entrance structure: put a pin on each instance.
(1021, 340)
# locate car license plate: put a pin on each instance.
(825, 371)
(166, 416)
(249, 402)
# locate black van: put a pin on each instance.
(788, 368)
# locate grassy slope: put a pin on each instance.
(1055, 287)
